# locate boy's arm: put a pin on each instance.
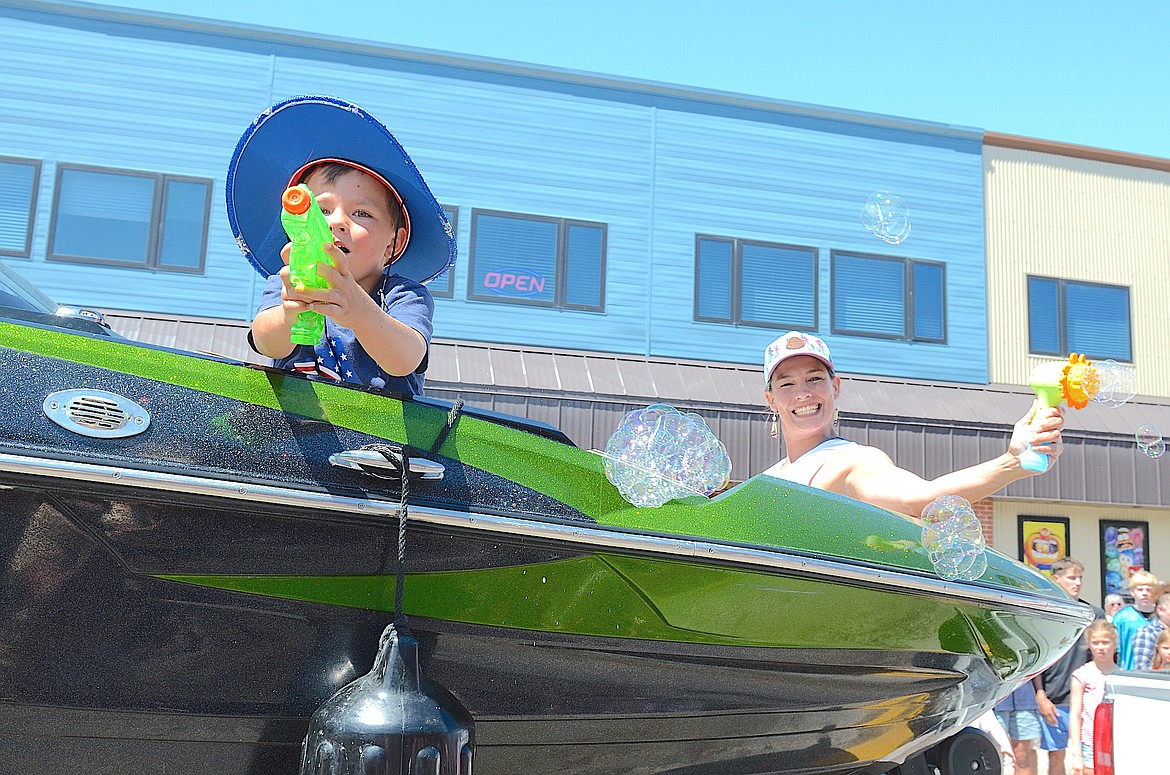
(272, 325)
(395, 346)
(1046, 706)
(270, 333)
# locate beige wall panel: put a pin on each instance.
(1085, 534)
(1078, 219)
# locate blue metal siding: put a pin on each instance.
(652, 164)
(771, 182)
(130, 103)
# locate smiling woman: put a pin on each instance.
(802, 389)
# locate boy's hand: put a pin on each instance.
(344, 301)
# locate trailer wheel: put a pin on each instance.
(970, 752)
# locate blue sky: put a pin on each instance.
(1089, 73)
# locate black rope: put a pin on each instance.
(400, 456)
(400, 574)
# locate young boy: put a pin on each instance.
(390, 236)
(1054, 684)
(1133, 617)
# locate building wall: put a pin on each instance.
(656, 164)
(1060, 215)
(1085, 534)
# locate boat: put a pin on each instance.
(198, 553)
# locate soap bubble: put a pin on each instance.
(953, 537)
(886, 217)
(658, 453)
(1116, 383)
(1149, 440)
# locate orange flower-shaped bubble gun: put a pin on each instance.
(1074, 382)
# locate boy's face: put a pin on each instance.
(1142, 593)
(357, 207)
(1070, 580)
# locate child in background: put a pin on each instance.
(1162, 651)
(1088, 688)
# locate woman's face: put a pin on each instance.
(803, 395)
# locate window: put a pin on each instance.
(443, 286)
(880, 296)
(126, 218)
(755, 283)
(18, 200)
(1065, 316)
(529, 259)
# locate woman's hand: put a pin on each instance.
(1040, 429)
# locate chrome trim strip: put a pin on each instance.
(598, 537)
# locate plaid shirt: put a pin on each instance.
(1143, 644)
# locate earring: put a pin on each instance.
(836, 418)
(775, 421)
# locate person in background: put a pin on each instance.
(1088, 688)
(1133, 617)
(1020, 717)
(802, 388)
(1162, 651)
(1052, 693)
(1146, 638)
(1113, 603)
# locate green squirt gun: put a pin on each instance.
(309, 232)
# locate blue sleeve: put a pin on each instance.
(411, 304)
(271, 295)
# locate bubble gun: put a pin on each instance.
(307, 229)
(1075, 382)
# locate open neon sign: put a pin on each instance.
(514, 282)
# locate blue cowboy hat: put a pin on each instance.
(284, 141)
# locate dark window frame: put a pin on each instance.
(30, 225)
(453, 217)
(157, 220)
(735, 287)
(908, 265)
(1062, 316)
(561, 260)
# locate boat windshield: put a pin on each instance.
(18, 293)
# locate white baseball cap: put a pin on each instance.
(794, 343)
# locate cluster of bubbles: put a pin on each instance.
(1116, 383)
(953, 537)
(887, 217)
(1149, 440)
(658, 453)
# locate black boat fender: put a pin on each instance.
(393, 720)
